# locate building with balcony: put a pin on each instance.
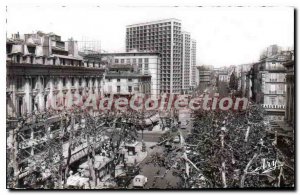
(205, 76)
(143, 63)
(269, 81)
(164, 37)
(223, 77)
(41, 67)
(122, 80)
(193, 70)
(186, 60)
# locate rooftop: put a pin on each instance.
(125, 75)
(131, 53)
(154, 22)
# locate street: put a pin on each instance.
(157, 175)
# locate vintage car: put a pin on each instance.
(139, 181)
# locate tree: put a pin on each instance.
(37, 163)
(232, 149)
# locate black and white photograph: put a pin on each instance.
(150, 97)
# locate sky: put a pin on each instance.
(225, 35)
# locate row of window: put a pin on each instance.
(150, 26)
(134, 61)
(280, 101)
(149, 32)
(45, 82)
(129, 89)
(119, 80)
(45, 61)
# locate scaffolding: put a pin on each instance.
(89, 46)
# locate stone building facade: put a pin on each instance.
(143, 63)
(41, 67)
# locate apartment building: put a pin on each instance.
(144, 63)
(41, 67)
(269, 81)
(193, 69)
(205, 76)
(121, 79)
(164, 37)
(186, 60)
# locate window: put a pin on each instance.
(129, 80)
(8, 48)
(118, 80)
(272, 88)
(146, 60)
(72, 81)
(282, 88)
(127, 61)
(31, 49)
(140, 61)
(118, 89)
(116, 61)
(20, 106)
(33, 83)
(64, 82)
(18, 59)
(55, 82)
(122, 61)
(46, 82)
(280, 101)
(87, 82)
(130, 89)
(80, 81)
(93, 81)
(134, 61)
(19, 84)
(272, 100)
(273, 65)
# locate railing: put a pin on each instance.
(270, 106)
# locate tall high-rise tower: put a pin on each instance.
(193, 63)
(186, 59)
(163, 36)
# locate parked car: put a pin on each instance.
(139, 181)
